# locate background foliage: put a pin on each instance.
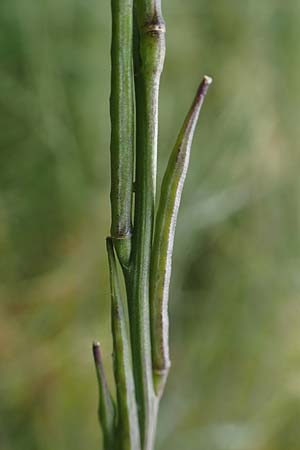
(235, 380)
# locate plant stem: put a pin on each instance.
(140, 328)
(122, 127)
(148, 66)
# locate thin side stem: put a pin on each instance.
(122, 127)
(171, 190)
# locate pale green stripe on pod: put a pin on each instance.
(106, 409)
(171, 190)
(128, 425)
(122, 127)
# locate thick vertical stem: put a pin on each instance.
(122, 127)
(149, 58)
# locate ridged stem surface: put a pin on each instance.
(149, 58)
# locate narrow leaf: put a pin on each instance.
(128, 426)
(171, 190)
(106, 410)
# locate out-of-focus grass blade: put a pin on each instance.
(171, 190)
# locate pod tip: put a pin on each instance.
(207, 80)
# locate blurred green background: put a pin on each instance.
(235, 311)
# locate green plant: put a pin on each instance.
(142, 252)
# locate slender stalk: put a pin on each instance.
(171, 190)
(149, 58)
(122, 127)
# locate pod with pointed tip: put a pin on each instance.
(106, 408)
(171, 190)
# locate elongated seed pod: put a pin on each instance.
(106, 409)
(171, 190)
(128, 425)
(122, 127)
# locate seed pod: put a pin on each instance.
(171, 190)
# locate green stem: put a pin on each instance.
(122, 127)
(149, 58)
